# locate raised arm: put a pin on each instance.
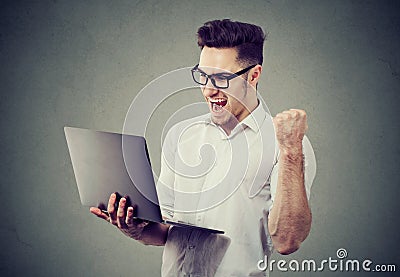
(290, 218)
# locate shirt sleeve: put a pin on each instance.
(310, 168)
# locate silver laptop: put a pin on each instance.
(99, 164)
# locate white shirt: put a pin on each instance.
(224, 182)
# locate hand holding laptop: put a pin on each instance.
(122, 217)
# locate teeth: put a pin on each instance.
(217, 100)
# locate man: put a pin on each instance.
(259, 197)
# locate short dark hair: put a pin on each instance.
(248, 39)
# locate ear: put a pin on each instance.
(254, 75)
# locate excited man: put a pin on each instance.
(258, 186)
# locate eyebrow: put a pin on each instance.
(223, 74)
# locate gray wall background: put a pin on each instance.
(80, 63)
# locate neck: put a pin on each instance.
(231, 124)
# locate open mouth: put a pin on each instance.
(217, 104)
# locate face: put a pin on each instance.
(231, 105)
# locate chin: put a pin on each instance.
(222, 120)
(217, 120)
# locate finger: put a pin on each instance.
(302, 113)
(97, 212)
(278, 117)
(129, 217)
(292, 113)
(111, 208)
(121, 214)
(131, 221)
(277, 120)
(297, 110)
(284, 116)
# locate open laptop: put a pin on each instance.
(100, 169)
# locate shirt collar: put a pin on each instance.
(255, 119)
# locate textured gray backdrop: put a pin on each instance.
(80, 63)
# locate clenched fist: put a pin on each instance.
(290, 127)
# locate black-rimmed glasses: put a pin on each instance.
(219, 80)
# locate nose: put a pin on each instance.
(209, 90)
